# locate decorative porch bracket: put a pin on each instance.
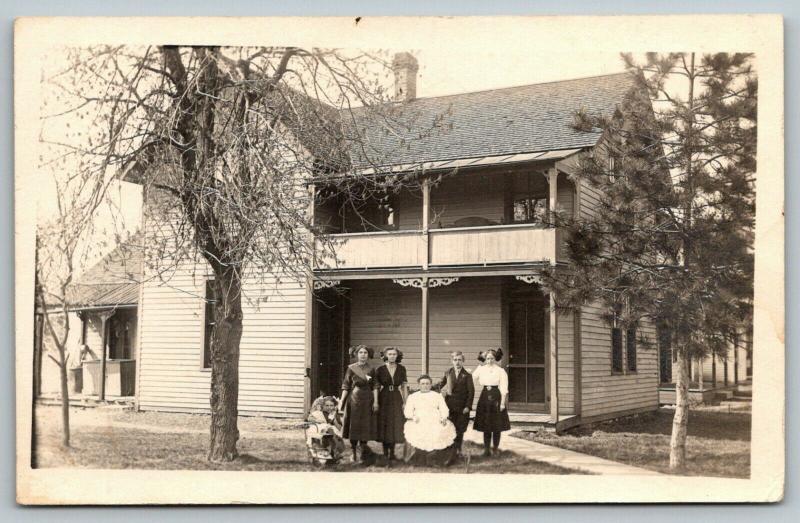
(420, 283)
(326, 284)
(529, 278)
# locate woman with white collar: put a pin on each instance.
(491, 416)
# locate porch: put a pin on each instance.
(429, 317)
(107, 369)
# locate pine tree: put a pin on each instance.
(671, 241)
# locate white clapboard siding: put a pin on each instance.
(272, 349)
(464, 196)
(465, 316)
(604, 393)
(566, 363)
(385, 314)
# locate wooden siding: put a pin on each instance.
(565, 204)
(382, 314)
(479, 245)
(466, 195)
(272, 365)
(605, 393)
(464, 316)
(566, 363)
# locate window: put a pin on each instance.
(616, 350)
(210, 300)
(612, 170)
(616, 340)
(386, 216)
(630, 349)
(530, 209)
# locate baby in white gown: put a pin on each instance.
(428, 427)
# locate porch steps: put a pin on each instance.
(539, 421)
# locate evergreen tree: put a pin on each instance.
(671, 240)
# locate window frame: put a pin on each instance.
(208, 302)
(631, 347)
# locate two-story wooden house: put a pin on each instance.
(447, 266)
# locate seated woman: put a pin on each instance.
(324, 432)
(428, 432)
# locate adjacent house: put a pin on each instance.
(447, 266)
(103, 318)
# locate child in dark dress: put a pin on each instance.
(360, 423)
(390, 393)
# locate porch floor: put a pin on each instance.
(88, 400)
(535, 417)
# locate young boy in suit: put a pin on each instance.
(458, 391)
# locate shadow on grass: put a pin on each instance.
(734, 426)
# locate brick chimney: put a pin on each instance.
(405, 68)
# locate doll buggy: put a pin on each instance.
(323, 438)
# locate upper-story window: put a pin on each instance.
(528, 198)
(529, 209)
(385, 216)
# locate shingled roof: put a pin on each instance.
(513, 120)
(111, 282)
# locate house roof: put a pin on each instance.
(499, 122)
(111, 282)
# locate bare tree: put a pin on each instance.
(227, 142)
(63, 244)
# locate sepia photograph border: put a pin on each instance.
(759, 34)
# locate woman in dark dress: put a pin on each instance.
(360, 422)
(391, 392)
(491, 415)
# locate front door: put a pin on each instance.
(330, 342)
(527, 362)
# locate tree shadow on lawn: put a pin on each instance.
(112, 447)
(735, 426)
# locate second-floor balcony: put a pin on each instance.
(442, 247)
(472, 220)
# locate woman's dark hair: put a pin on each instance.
(353, 351)
(498, 354)
(424, 377)
(387, 349)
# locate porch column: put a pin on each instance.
(736, 360)
(553, 336)
(425, 331)
(426, 218)
(713, 371)
(552, 180)
(309, 304)
(309, 342)
(104, 317)
(700, 373)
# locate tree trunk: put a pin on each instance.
(225, 367)
(677, 444)
(62, 370)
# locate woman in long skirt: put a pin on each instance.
(391, 392)
(491, 415)
(359, 424)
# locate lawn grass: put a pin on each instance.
(181, 443)
(718, 443)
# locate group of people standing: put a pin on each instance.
(431, 422)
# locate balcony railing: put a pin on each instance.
(491, 244)
(442, 247)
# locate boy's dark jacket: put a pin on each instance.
(459, 391)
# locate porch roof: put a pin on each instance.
(112, 282)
